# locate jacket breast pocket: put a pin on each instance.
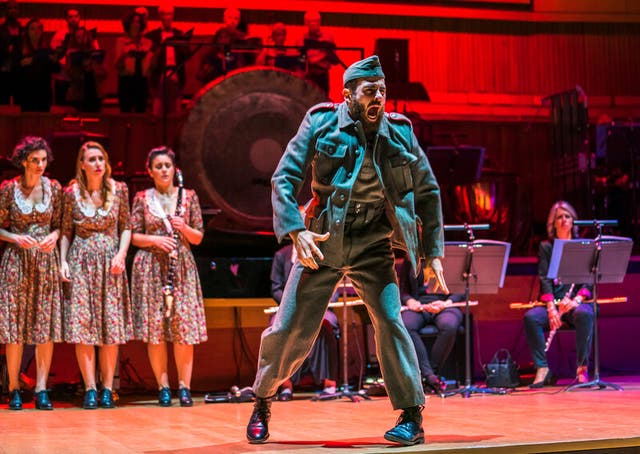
(400, 167)
(329, 158)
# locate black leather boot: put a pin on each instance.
(408, 430)
(258, 428)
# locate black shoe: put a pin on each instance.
(432, 384)
(164, 397)
(258, 427)
(185, 397)
(106, 399)
(408, 430)
(15, 400)
(90, 401)
(42, 400)
(549, 380)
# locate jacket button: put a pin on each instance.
(342, 196)
(349, 175)
(357, 152)
(337, 221)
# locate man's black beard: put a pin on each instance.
(358, 112)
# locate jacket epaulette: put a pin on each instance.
(397, 117)
(323, 106)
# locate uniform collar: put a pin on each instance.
(345, 120)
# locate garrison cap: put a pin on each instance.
(369, 67)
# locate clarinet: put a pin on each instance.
(168, 289)
(553, 331)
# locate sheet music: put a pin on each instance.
(572, 260)
(488, 267)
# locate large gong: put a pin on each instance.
(234, 135)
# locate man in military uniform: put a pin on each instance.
(371, 184)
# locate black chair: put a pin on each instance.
(454, 366)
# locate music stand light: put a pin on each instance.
(603, 259)
(483, 265)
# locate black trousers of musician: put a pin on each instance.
(536, 322)
(448, 321)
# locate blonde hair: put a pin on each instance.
(561, 205)
(81, 176)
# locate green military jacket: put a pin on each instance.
(334, 144)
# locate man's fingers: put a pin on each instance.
(323, 237)
(316, 250)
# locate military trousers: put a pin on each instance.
(368, 261)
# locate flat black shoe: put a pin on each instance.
(185, 397)
(549, 380)
(164, 397)
(15, 400)
(42, 400)
(90, 401)
(258, 427)
(408, 430)
(432, 384)
(106, 399)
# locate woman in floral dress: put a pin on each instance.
(154, 218)
(93, 248)
(30, 289)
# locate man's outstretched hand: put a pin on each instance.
(305, 243)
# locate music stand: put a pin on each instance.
(345, 389)
(461, 262)
(581, 260)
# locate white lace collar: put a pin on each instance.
(87, 207)
(25, 205)
(155, 208)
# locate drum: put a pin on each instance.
(235, 133)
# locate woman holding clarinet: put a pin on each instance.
(165, 289)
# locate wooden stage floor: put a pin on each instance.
(602, 421)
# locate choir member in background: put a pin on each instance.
(10, 34)
(221, 59)
(30, 290)
(133, 60)
(167, 72)
(36, 65)
(93, 247)
(570, 309)
(166, 220)
(61, 44)
(319, 51)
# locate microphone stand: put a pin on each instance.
(595, 270)
(468, 389)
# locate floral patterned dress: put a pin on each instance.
(97, 311)
(187, 324)
(30, 289)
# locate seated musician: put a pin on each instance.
(322, 362)
(420, 309)
(563, 303)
